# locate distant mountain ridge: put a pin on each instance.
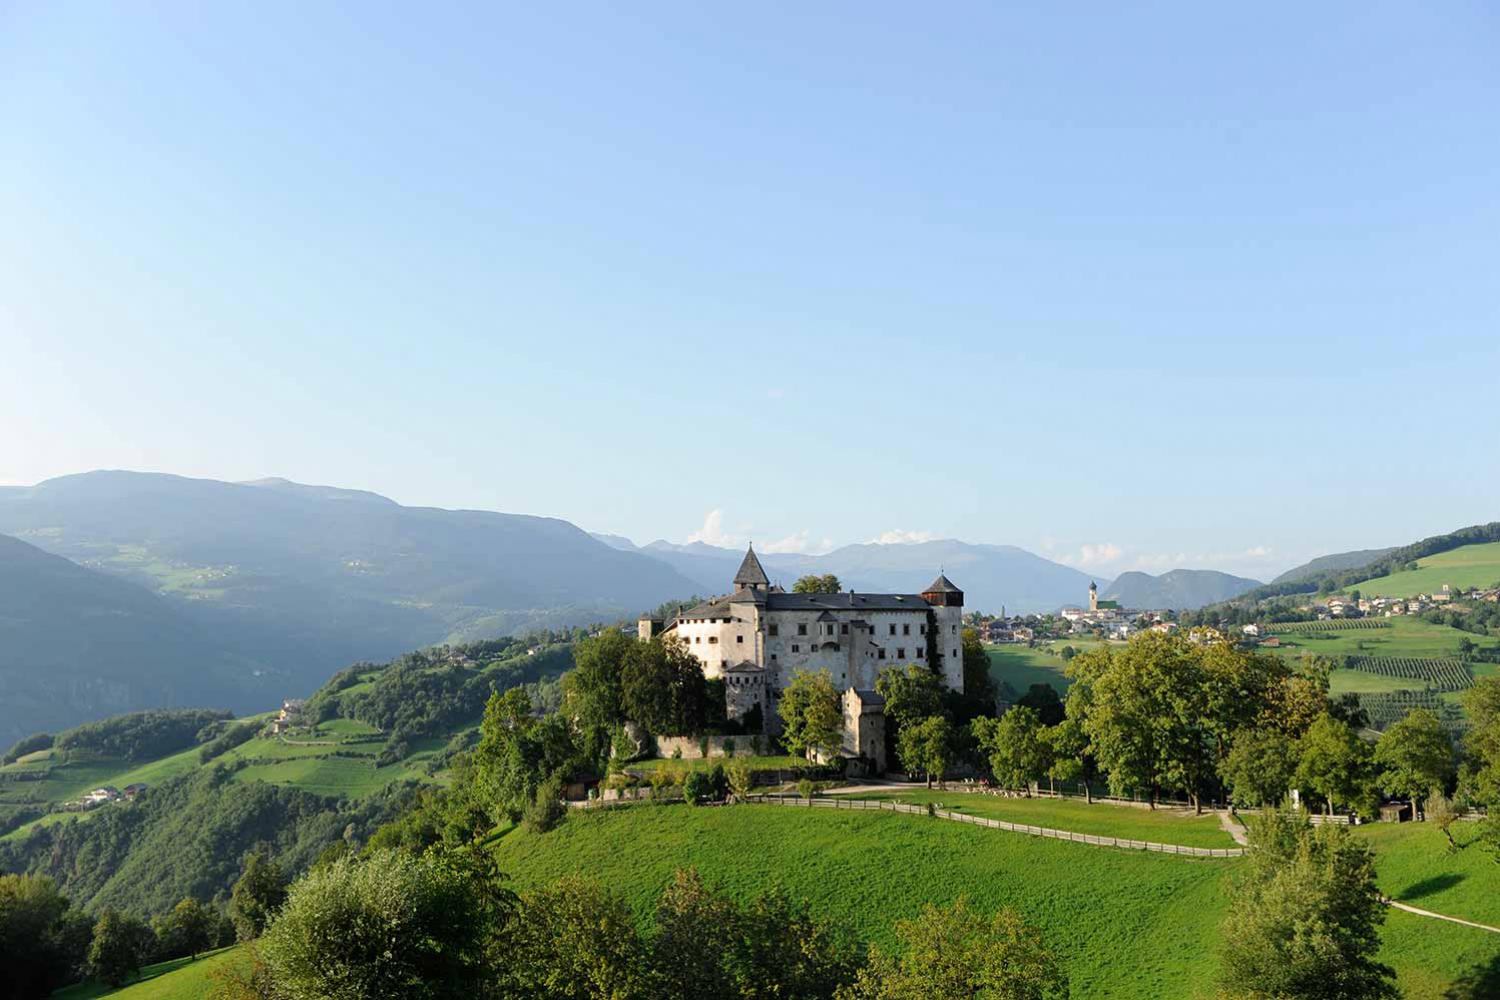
(991, 576)
(1178, 589)
(294, 581)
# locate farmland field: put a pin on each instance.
(1405, 636)
(1022, 666)
(1126, 924)
(1470, 566)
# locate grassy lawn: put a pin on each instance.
(1470, 566)
(1021, 666)
(1164, 826)
(1126, 924)
(1362, 682)
(1415, 867)
(179, 979)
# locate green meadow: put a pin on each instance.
(1470, 566)
(179, 979)
(1127, 924)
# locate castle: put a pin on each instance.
(759, 635)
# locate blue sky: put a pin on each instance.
(1131, 288)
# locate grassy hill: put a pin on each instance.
(179, 979)
(1469, 566)
(1126, 924)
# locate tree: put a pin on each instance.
(1334, 764)
(956, 952)
(1415, 757)
(979, 683)
(1482, 742)
(1016, 747)
(912, 693)
(1044, 700)
(546, 809)
(813, 584)
(189, 929)
(593, 695)
(695, 929)
(1068, 749)
(927, 746)
(517, 752)
(390, 925)
(741, 779)
(256, 896)
(44, 940)
(812, 718)
(572, 941)
(782, 950)
(663, 688)
(1306, 921)
(1258, 770)
(1441, 813)
(121, 945)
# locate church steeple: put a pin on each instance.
(1093, 596)
(751, 573)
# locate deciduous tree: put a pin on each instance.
(256, 896)
(812, 718)
(1415, 757)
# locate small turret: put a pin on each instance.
(751, 574)
(941, 593)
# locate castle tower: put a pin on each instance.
(945, 641)
(751, 575)
(1093, 597)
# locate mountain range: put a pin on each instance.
(1179, 589)
(130, 590)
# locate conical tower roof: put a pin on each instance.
(942, 585)
(751, 573)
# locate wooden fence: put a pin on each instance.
(844, 802)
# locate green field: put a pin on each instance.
(1407, 636)
(1022, 666)
(179, 979)
(1470, 566)
(1164, 826)
(781, 762)
(1126, 923)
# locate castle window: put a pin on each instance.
(920, 652)
(923, 629)
(901, 653)
(773, 657)
(739, 639)
(796, 648)
(893, 630)
(697, 638)
(955, 654)
(906, 630)
(773, 629)
(802, 629)
(882, 654)
(844, 629)
(713, 639)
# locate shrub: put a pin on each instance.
(697, 789)
(546, 809)
(806, 788)
(729, 748)
(394, 924)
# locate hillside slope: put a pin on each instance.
(1178, 589)
(1332, 564)
(77, 644)
(1468, 566)
(297, 581)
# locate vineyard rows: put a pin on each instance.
(1330, 625)
(1387, 708)
(1438, 674)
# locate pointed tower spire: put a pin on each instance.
(751, 573)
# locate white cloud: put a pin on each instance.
(801, 542)
(713, 533)
(1258, 552)
(896, 536)
(1097, 554)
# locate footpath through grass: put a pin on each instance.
(1126, 924)
(1164, 826)
(179, 979)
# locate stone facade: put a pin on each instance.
(758, 636)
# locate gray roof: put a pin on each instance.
(845, 602)
(747, 596)
(751, 571)
(869, 696)
(942, 585)
(745, 667)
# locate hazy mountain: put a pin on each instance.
(76, 644)
(1179, 589)
(615, 541)
(1333, 563)
(991, 576)
(299, 579)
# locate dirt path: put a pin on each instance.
(1232, 827)
(1441, 916)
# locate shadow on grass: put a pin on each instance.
(1429, 886)
(1479, 983)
